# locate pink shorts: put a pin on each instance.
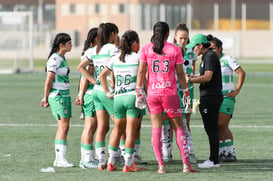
(171, 105)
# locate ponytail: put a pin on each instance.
(127, 39)
(160, 31)
(104, 33)
(90, 40)
(215, 40)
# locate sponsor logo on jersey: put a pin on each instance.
(161, 85)
(170, 110)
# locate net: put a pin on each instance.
(16, 42)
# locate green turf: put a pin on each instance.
(28, 131)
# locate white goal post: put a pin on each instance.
(16, 42)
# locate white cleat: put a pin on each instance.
(208, 164)
(63, 163)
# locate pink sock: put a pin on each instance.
(157, 145)
(182, 144)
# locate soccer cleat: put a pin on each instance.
(120, 161)
(91, 164)
(167, 158)
(190, 169)
(139, 160)
(161, 169)
(208, 164)
(111, 167)
(222, 157)
(63, 163)
(192, 158)
(102, 166)
(230, 158)
(139, 167)
(129, 169)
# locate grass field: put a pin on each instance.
(28, 131)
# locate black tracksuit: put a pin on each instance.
(211, 98)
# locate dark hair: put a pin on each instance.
(127, 39)
(90, 40)
(218, 43)
(60, 38)
(160, 31)
(104, 32)
(181, 27)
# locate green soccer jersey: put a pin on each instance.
(228, 66)
(58, 64)
(101, 59)
(125, 73)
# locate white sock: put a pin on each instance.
(101, 154)
(128, 159)
(112, 156)
(188, 135)
(88, 155)
(165, 138)
(60, 151)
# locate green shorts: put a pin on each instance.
(180, 93)
(89, 106)
(102, 102)
(60, 106)
(227, 106)
(125, 106)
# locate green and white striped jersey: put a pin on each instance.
(228, 66)
(101, 59)
(57, 64)
(189, 58)
(125, 73)
(90, 86)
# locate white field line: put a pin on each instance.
(143, 125)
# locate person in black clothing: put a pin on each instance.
(211, 97)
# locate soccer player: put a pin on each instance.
(99, 56)
(163, 60)
(127, 116)
(57, 94)
(228, 65)
(181, 39)
(85, 100)
(211, 96)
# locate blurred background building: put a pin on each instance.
(239, 23)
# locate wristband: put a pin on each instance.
(139, 91)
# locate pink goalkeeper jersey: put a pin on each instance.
(161, 68)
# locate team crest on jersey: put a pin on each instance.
(65, 111)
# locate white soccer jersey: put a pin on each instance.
(101, 59)
(228, 66)
(125, 73)
(57, 64)
(88, 53)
